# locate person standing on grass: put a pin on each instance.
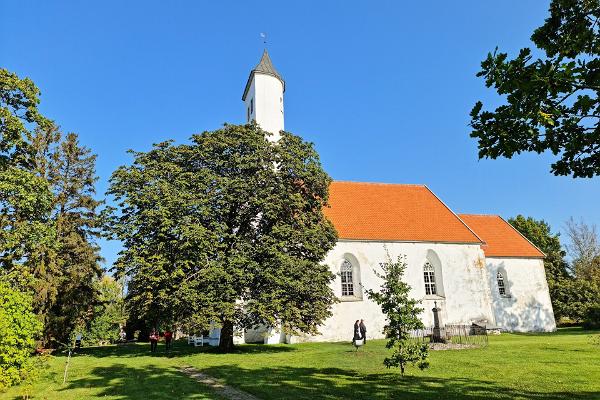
(363, 331)
(168, 338)
(78, 338)
(356, 332)
(153, 340)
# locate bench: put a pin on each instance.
(198, 340)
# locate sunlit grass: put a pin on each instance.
(561, 365)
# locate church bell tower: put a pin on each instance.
(263, 97)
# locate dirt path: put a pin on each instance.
(226, 391)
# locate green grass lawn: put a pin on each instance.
(561, 365)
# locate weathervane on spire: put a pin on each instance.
(263, 37)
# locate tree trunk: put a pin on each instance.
(226, 340)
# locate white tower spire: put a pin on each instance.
(263, 97)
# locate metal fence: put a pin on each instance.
(471, 335)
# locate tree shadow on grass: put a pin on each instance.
(337, 383)
(180, 348)
(145, 382)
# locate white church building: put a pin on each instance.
(477, 268)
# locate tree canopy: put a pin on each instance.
(229, 228)
(48, 219)
(552, 102)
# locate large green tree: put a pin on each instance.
(26, 234)
(69, 168)
(552, 102)
(229, 228)
(47, 210)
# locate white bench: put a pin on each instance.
(198, 340)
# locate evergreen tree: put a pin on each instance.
(48, 219)
(402, 313)
(229, 228)
(70, 170)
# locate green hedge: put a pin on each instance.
(19, 328)
(592, 317)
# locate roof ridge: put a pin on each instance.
(383, 183)
(481, 215)
(456, 215)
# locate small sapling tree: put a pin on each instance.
(402, 314)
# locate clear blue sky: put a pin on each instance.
(383, 89)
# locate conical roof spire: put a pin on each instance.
(265, 66)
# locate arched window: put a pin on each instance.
(347, 279)
(501, 285)
(429, 275)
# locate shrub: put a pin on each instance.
(592, 317)
(19, 328)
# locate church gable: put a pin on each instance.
(394, 212)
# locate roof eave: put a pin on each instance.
(474, 243)
(537, 257)
(251, 76)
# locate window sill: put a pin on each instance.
(433, 297)
(345, 299)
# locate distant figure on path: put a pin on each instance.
(363, 331)
(356, 332)
(153, 340)
(78, 338)
(168, 338)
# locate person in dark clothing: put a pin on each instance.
(153, 340)
(356, 332)
(168, 338)
(363, 331)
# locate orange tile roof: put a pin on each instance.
(501, 239)
(390, 212)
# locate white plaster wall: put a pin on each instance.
(267, 92)
(527, 306)
(465, 279)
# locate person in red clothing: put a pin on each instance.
(168, 338)
(153, 340)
